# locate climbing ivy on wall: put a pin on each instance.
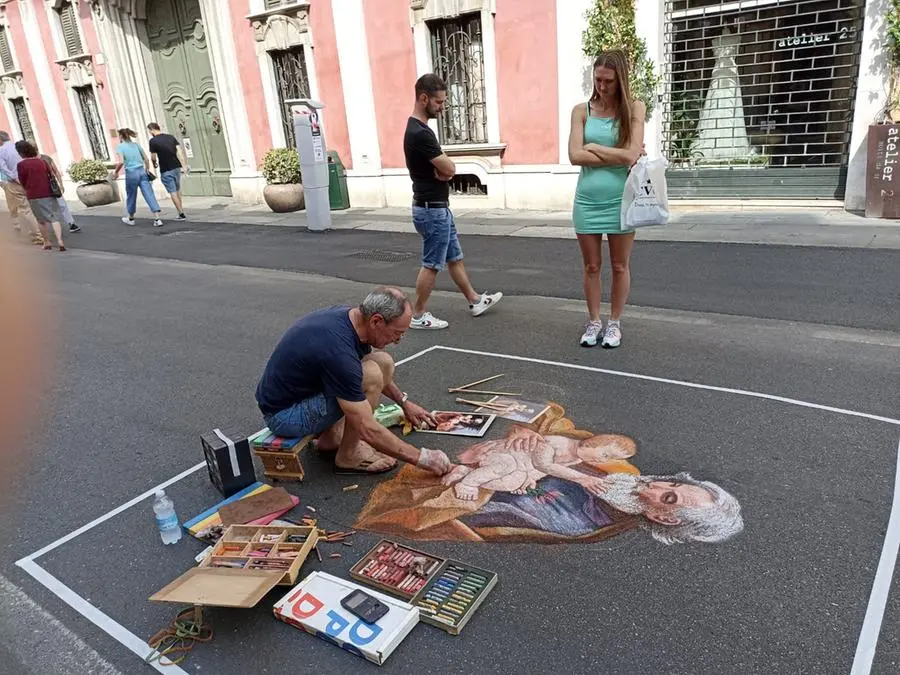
(610, 25)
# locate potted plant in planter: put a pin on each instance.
(284, 191)
(94, 188)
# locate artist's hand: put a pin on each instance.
(418, 416)
(525, 440)
(434, 461)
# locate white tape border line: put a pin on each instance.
(865, 652)
(101, 620)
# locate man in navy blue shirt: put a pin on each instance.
(325, 380)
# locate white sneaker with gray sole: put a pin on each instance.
(427, 322)
(485, 302)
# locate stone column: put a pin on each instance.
(245, 182)
(38, 53)
(871, 98)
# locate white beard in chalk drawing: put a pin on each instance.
(722, 131)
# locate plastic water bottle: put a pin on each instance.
(166, 518)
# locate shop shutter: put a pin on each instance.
(6, 59)
(69, 24)
(758, 96)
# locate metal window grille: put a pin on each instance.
(291, 81)
(6, 59)
(20, 110)
(68, 21)
(764, 88)
(272, 4)
(457, 53)
(93, 123)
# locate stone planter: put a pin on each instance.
(284, 198)
(96, 194)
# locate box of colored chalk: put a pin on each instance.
(446, 592)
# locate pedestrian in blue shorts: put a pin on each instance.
(431, 170)
(168, 156)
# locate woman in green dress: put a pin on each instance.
(606, 139)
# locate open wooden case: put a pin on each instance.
(245, 564)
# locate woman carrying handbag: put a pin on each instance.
(42, 191)
(606, 138)
(137, 177)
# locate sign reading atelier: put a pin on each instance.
(812, 40)
(883, 172)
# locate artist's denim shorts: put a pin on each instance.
(171, 180)
(440, 244)
(312, 416)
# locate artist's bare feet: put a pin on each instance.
(465, 492)
(459, 472)
(366, 458)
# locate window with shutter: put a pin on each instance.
(68, 21)
(6, 59)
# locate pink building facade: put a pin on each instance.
(216, 73)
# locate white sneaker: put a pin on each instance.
(158, 222)
(428, 322)
(591, 333)
(127, 220)
(485, 302)
(613, 336)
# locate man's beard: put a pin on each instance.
(621, 492)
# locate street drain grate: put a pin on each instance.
(379, 255)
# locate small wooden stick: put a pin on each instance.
(484, 404)
(472, 384)
(491, 393)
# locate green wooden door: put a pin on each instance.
(177, 39)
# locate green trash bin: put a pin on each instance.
(338, 195)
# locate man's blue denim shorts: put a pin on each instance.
(440, 244)
(171, 180)
(312, 416)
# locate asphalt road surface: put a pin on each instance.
(162, 336)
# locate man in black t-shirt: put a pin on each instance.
(168, 156)
(326, 377)
(431, 170)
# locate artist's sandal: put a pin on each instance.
(360, 468)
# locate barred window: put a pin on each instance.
(292, 82)
(20, 111)
(6, 59)
(68, 22)
(93, 123)
(457, 53)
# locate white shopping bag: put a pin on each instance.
(645, 201)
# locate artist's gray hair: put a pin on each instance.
(709, 523)
(4, 136)
(389, 302)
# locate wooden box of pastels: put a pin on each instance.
(264, 548)
(447, 592)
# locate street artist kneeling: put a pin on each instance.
(324, 379)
